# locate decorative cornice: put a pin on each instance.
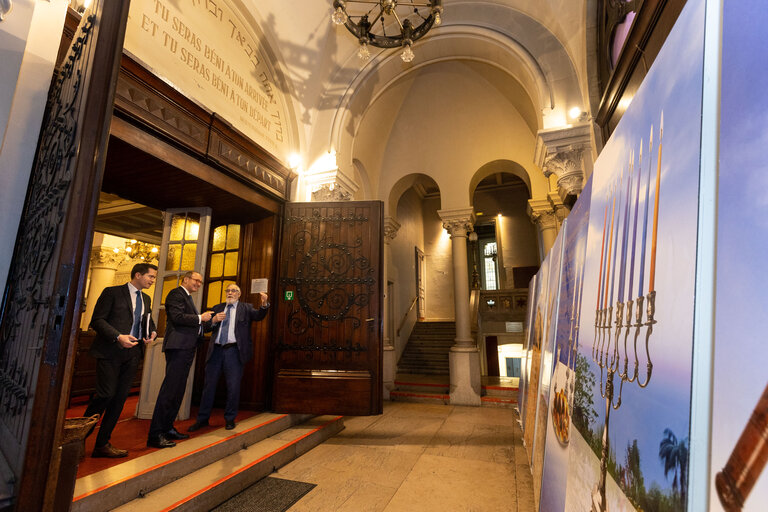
(331, 185)
(561, 152)
(542, 214)
(391, 227)
(458, 222)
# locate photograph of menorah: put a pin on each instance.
(624, 313)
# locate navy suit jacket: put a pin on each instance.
(246, 314)
(183, 321)
(113, 316)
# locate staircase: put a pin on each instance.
(206, 470)
(426, 352)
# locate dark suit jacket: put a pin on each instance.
(112, 316)
(246, 314)
(183, 322)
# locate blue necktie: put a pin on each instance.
(136, 331)
(224, 332)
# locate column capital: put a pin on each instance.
(391, 227)
(560, 209)
(561, 151)
(542, 213)
(105, 257)
(457, 222)
(331, 185)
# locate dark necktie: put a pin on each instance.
(224, 332)
(136, 331)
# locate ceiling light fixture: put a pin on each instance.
(414, 19)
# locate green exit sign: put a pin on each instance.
(289, 295)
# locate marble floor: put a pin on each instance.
(419, 457)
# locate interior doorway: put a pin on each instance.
(152, 209)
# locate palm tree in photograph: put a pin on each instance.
(674, 454)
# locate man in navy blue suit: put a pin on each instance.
(230, 348)
(183, 333)
(120, 321)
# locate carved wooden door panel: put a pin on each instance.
(328, 315)
(47, 274)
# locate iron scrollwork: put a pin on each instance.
(29, 297)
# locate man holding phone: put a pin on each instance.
(120, 319)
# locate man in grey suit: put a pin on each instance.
(120, 321)
(183, 332)
(230, 348)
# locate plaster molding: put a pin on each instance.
(391, 227)
(561, 152)
(542, 214)
(458, 222)
(105, 257)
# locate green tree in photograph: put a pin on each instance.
(633, 484)
(673, 453)
(584, 413)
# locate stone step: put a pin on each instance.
(500, 391)
(422, 398)
(121, 484)
(213, 484)
(422, 387)
(495, 401)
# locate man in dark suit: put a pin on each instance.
(183, 332)
(230, 348)
(120, 321)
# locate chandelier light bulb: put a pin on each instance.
(438, 19)
(363, 52)
(339, 17)
(407, 54)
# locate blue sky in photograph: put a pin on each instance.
(741, 350)
(674, 86)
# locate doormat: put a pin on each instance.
(267, 495)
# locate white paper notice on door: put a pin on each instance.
(259, 285)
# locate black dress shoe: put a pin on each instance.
(160, 442)
(197, 426)
(176, 435)
(230, 425)
(109, 452)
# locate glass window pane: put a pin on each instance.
(173, 260)
(188, 257)
(214, 294)
(193, 226)
(177, 227)
(217, 265)
(233, 236)
(230, 263)
(169, 283)
(219, 238)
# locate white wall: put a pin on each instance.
(439, 278)
(29, 42)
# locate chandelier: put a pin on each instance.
(414, 19)
(135, 250)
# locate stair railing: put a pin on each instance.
(474, 308)
(405, 316)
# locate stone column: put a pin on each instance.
(391, 226)
(464, 357)
(543, 216)
(104, 262)
(561, 151)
